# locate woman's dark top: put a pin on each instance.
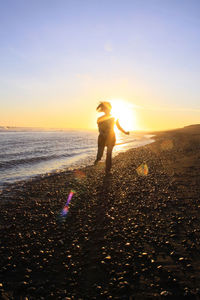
(106, 131)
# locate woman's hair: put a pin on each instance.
(104, 105)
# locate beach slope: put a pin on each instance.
(125, 236)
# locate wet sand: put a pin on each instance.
(125, 236)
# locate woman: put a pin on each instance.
(106, 133)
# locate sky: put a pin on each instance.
(59, 58)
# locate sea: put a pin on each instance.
(29, 154)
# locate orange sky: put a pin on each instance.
(60, 59)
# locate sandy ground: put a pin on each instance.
(125, 236)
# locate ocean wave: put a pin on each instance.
(29, 154)
(35, 159)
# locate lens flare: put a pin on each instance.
(143, 170)
(65, 210)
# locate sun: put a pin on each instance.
(124, 112)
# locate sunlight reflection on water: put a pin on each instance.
(28, 154)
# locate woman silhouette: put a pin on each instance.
(106, 133)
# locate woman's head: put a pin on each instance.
(104, 107)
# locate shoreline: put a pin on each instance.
(125, 236)
(68, 169)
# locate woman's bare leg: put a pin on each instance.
(109, 158)
(101, 146)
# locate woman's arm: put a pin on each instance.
(120, 128)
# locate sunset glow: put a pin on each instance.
(60, 59)
(124, 112)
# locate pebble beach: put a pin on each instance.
(125, 236)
